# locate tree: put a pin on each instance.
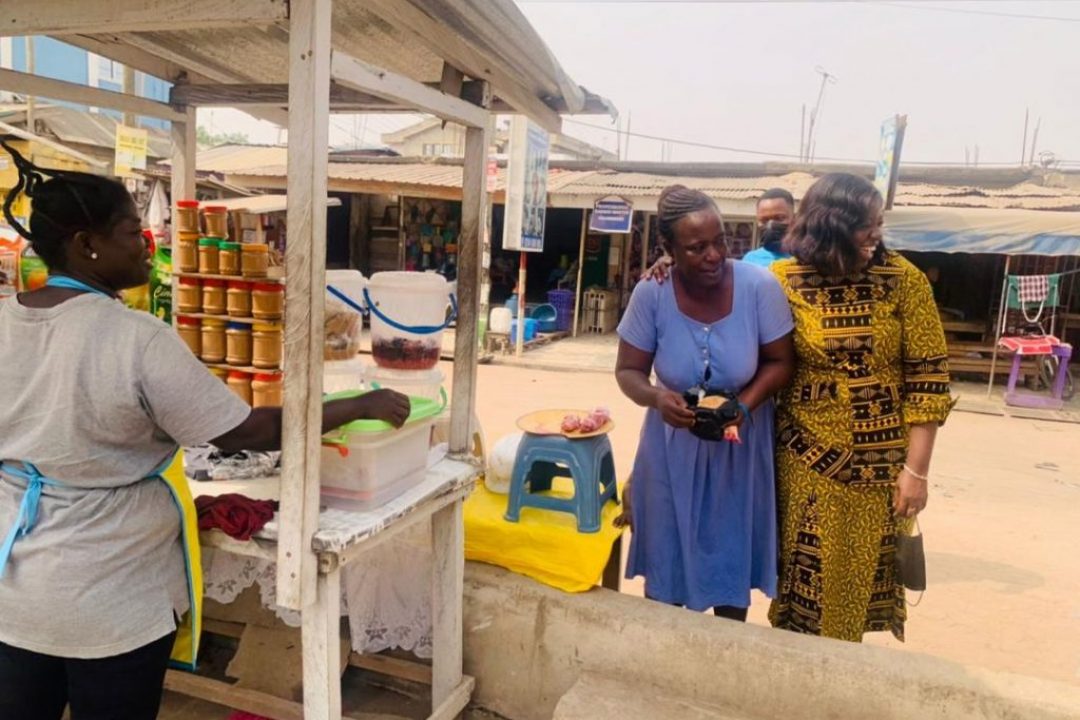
(204, 138)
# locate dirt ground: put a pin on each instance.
(1001, 525)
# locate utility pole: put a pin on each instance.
(1034, 140)
(802, 134)
(827, 78)
(1023, 146)
(129, 89)
(626, 150)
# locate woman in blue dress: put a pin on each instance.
(703, 511)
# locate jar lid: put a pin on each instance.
(190, 236)
(239, 285)
(268, 377)
(213, 283)
(256, 247)
(209, 242)
(268, 287)
(215, 209)
(239, 326)
(237, 375)
(230, 246)
(213, 323)
(192, 282)
(186, 204)
(181, 320)
(267, 327)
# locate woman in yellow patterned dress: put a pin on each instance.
(856, 426)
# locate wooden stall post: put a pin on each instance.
(580, 268)
(182, 186)
(470, 260)
(645, 243)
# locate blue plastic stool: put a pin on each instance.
(541, 458)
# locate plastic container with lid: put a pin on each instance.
(214, 298)
(209, 254)
(238, 344)
(368, 463)
(188, 295)
(255, 260)
(266, 390)
(409, 311)
(238, 299)
(229, 258)
(501, 318)
(190, 331)
(267, 301)
(240, 383)
(266, 346)
(213, 341)
(187, 216)
(427, 384)
(343, 375)
(186, 255)
(217, 221)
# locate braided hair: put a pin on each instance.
(675, 203)
(63, 204)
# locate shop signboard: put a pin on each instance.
(612, 215)
(888, 163)
(526, 187)
(130, 150)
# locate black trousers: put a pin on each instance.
(123, 687)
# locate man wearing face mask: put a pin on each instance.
(775, 211)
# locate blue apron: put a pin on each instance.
(186, 647)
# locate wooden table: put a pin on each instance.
(343, 537)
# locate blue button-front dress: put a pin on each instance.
(705, 512)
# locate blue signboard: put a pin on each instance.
(612, 215)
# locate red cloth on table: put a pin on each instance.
(1030, 344)
(233, 514)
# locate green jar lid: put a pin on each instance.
(209, 242)
(230, 246)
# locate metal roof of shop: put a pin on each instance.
(81, 127)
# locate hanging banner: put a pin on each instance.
(888, 164)
(130, 150)
(526, 187)
(612, 215)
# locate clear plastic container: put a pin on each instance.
(187, 216)
(190, 331)
(240, 383)
(343, 376)
(427, 384)
(408, 316)
(367, 463)
(188, 295)
(238, 300)
(187, 252)
(214, 298)
(213, 341)
(266, 390)
(267, 301)
(209, 251)
(229, 258)
(255, 260)
(238, 344)
(217, 221)
(266, 346)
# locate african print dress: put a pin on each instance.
(872, 361)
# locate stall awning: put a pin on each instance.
(982, 231)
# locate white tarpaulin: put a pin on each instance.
(982, 231)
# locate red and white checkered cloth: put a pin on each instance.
(1030, 344)
(1032, 288)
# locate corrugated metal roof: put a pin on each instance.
(261, 204)
(230, 158)
(80, 127)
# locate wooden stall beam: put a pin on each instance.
(182, 186)
(447, 591)
(367, 78)
(73, 17)
(36, 85)
(470, 262)
(580, 269)
(305, 268)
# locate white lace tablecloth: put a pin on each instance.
(387, 597)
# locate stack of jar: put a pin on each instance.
(187, 227)
(258, 389)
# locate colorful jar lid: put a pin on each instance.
(241, 327)
(267, 327)
(181, 320)
(213, 324)
(213, 283)
(230, 246)
(209, 242)
(256, 248)
(239, 285)
(215, 209)
(190, 281)
(187, 204)
(239, 375)
(268, 377)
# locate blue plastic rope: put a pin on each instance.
(347, 300)
(413, 329)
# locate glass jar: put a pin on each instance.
(266, 390)
(214, 299)
(255, 260)
(188, 295)
(239, 299)
(213, 341)
(240, 383)
(217, 221)
(209, 253)
(187, 216)
(267, 301)
(187, 252)
(238, 344)
(266, 346)
(229, 258)
(220, 373)
(190, 331)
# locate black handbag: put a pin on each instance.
(709, 423)
(911, 560)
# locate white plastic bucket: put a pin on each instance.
(351, 284)
(414, 383)
(500, 320)
(408, 316)
(342, 375)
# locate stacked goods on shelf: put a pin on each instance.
(227, 307)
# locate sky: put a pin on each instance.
(737, 74)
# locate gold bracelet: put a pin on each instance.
(914, 474)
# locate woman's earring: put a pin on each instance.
(93, 256)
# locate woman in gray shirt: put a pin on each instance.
(94, 400)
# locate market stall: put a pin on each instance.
(459, 61)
